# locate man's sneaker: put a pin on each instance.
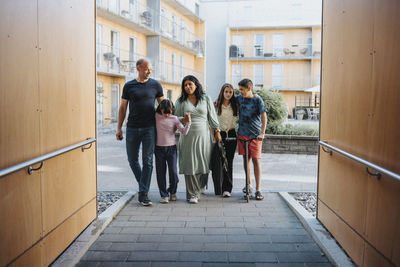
(164, 200)
(145, 201)
(203, 190)
(172, 197)
(193, 200)
(226, 194)
(250, 189)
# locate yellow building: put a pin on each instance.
(167, 32)
(286, 59)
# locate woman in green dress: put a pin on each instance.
(195, 148)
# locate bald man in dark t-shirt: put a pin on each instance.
(140, 93)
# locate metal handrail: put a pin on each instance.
(29, 164)
(369, 165)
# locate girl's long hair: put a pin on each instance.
(167, 106)
(220, 100)
(198, 92)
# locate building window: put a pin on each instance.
(181, 74)
(259, 45)
(99, 41)
(169, 94)
(174, 26)
(278, 43)
(258, 75)
(164, 20)
(197, 9)
(133, 10)
(236, 74)
(132, 54)
(237, 40)
(173, 61)
(182, 32)
(164, 64)
(277, 75)
(114, 49)
(113, 6)
(115, 98)
(99, 103)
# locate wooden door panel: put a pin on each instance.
(21, 215)
(67, 76)
(68, 183)
(19, 94)
(348, 239)
(343, 187)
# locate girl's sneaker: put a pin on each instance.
(172, 197)
(164, 200)
(193, 200)
(226, 194)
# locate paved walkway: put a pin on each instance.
(280, 172)
(215, 232)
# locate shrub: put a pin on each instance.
(273, 101)
(289, 129)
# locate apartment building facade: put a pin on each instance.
(170, 33)
(286, 59)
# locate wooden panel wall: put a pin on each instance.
(47, 102)
(359, 114)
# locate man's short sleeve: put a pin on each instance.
(261, 106)
(125, 94)
(160, 92)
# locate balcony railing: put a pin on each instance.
(170, 73)
(112, 60)
(173, 31)
(284, 82)
(152, 19)
(259, 52)
(133, 11)
(117, 61)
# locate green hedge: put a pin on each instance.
(276, 113)
(289, 129)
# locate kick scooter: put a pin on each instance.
(246, 153)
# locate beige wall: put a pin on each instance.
(176, 90)
(289, 98)
(44, 212)
(359, 114)
(107, 81)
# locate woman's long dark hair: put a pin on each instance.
(220, 100)
(198, 92)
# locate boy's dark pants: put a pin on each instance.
(166, 155)
(230, 148)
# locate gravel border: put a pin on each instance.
(106, 198)
(307, 200)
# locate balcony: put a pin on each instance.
(183, 7)
(170, 73)
(179, 37)
(122, 63)
(258, 52)
(277, 82)
(116, 62)
(149, 21)
(129, 14)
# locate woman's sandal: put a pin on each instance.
(259, 196)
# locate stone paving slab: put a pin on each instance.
(216, 232)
